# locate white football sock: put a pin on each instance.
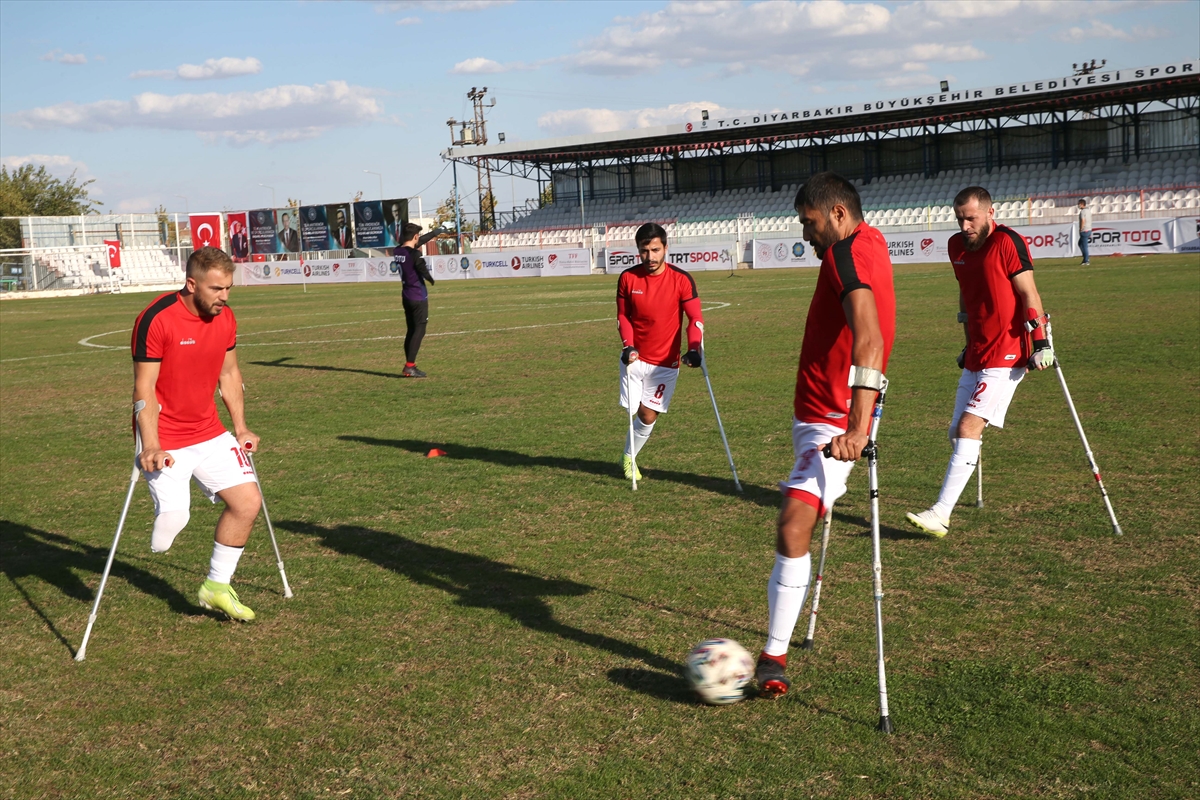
(785, 598)
(958, 473)
(167, 526)
(224, 562)
(641, 433)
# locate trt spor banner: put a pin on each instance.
(693, 258)
(206, 230)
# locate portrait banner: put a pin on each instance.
(395, 217)
(263, 238)
(314, 228)
(288, 229)
(239, 236)
(341, 230)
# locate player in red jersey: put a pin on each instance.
(847, 340)
(651, 301)
(996, 297)
(183, 349)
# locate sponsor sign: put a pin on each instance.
(239, 236)
(206, 230)
(692, 258)
(341, 227)
(449, 267)
(1185, 234)
(314, 228)
(777, 253)
(1050, 241)
(1131, 236)
(263, 237)
(335, 270)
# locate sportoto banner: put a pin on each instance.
(206, 230)
(777, 253)
(263, 237)
(693, 258)
(1130, 236)
(239, 237)
(1185, 234)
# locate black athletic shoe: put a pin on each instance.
(412, 372)
(771, 680)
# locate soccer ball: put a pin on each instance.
(719, 671)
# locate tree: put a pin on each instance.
(446, 218)
(30, 192)
(487, 211)
(547, 196)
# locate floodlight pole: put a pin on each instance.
(457, 207)
(377, 175)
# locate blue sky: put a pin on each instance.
(209, 100)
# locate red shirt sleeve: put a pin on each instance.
(624, 325)
(1017, 258)
(232, 329)
(695, 327)
(155, 341)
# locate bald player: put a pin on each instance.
(998, 303)
(183, 349)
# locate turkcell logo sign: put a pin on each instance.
(492, 263)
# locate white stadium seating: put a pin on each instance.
(1162, 184)
(87, 267)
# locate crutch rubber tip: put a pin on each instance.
(288, 594)
(807, 644)
(979, 504)
(1117, 530)
(80, 656)
(885, 725)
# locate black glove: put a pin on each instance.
(962, 359)
(628, 351)
(692, 358)
(1043, 355)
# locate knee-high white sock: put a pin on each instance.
(641, 433)
(785, 598)
(167, 526)
(224, 562)
(958, 472)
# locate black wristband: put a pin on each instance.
(625, 355)
(1041, 344)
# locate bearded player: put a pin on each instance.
(996, 299)
(652, 298)
(183, 349)
(847, 339)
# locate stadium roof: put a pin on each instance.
(1140, 84)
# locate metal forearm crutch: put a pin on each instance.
(287, 590)
(871, 451)
(704, 368)
(1087, 449)
(807, 644)
(133, 477)
(632, 411)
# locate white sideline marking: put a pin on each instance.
(87, 343)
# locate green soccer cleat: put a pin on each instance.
(627, 465)
(930, 522)
(221, 597)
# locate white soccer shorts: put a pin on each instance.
(216, 465)
(987, 394)
(825, 478)
(655, 385)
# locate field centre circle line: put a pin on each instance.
(87, 340)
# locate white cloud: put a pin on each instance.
(56, 164)
(281, 113)
(63, 58)
(212, 69)
(1102, 30)
(409, 21)
(486, 66)
(600, 120)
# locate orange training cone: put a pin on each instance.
(435, 452)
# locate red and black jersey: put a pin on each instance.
(191, 350)
(860, 261)
(995, 313)
(650, 312)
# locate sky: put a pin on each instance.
(203, 106)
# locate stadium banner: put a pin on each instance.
(449, 267)
(239, 237)
(1050, 241)
(288, 221)
(780, 253)
(263, 238)
(693, 258)
(1185, 235)
(206, 230)
(314, 228)
(335, 270)
(341, 231)
(1131, 236)
(369, 227)
(395, 217)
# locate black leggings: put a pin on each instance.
(416, 316)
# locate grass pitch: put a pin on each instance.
(509, 621)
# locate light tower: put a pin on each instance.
(474, 132)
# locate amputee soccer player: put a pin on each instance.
(183, 349)
(847, 340)
(652, 298)
(996, 297)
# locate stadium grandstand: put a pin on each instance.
(1125, 141)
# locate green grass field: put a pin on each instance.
(509, 621)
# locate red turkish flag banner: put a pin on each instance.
(206, 230)
(114, 253)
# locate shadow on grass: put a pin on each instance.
(321, 368)
(475, 582)
(27, 552)
(885, 531)
(511, 458)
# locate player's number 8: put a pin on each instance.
(658, 393)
